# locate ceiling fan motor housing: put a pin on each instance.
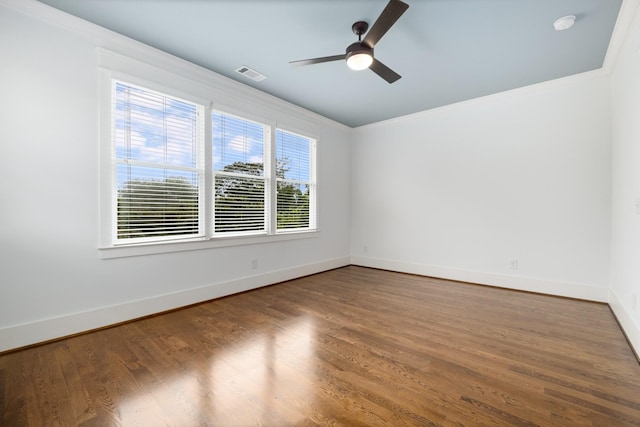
(358, 48)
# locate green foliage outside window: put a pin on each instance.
(153, 207)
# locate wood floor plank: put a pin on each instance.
(349, 347)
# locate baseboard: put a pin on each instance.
(630, 328)
(17, 336)
(550, 287)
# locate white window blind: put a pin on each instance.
(240, 190)
(158, 150)
(295, 178)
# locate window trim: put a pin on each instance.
(141, 249)
(108, 248)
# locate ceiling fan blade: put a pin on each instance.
(383, 71)
(318, 60)
(388, 17)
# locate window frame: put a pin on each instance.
(267, 178)
(109, 248)
(198, 168)
(312, 182)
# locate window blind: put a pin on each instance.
(158, 157)
(167, 184)
(240, 189)
(295, 205)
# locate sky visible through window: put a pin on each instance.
(161, 130)
(236, 140)
(156, 130)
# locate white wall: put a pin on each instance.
(52, 279)
(625, 248)
(458, 192)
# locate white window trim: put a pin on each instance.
(201, 244)
(106, 247)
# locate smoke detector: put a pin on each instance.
(564, 23)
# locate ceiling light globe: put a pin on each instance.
(359, 61)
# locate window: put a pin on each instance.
(158, 173)
(239, 174)
(295, 181)
(168, 183)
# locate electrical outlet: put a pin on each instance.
(254, 263)
(513, 264)
(366, 249)
(634, 302)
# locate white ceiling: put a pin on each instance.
(446, 50)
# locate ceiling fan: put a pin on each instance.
(359, 55)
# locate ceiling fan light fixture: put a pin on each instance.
(359, 56)
(359, 61)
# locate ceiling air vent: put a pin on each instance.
(252, 74)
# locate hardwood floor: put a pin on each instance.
(352, 346)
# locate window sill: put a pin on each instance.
(199, 244)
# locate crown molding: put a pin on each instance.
(628, 17)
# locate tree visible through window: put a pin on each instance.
(294, 181)
(239, 174)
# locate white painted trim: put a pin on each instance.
(108, 252)
(16, 336)
(528, 284)
(625, 319)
